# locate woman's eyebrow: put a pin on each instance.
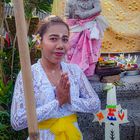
(56, 35)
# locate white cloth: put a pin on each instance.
(83, 98)
(97, 27)
(102, 24)
(91, 25)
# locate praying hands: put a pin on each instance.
(63, 90)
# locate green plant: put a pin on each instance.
(6, 93)
(6, 63)
(7, 87)
(8, 55)
(6, 131)
(38, 5)
(6, 1)
(31, 5)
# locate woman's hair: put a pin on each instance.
(49, 21)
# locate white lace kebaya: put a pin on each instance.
(83, 98)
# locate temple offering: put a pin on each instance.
(115, 64)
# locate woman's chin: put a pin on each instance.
(57, 61)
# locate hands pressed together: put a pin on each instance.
(63, 90)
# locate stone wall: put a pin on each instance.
(129, 98)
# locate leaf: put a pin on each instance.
(43, 7)
(7, 1)
(118, 83)
(2, 126)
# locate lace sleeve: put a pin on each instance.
(88, 100)
(18, 111)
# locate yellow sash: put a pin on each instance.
(63, 128)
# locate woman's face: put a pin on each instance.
(55, 43)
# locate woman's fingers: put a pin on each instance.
(66, 81)
(63, 89)
(63, 80)
(67, 85)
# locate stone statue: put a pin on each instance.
(87, 27)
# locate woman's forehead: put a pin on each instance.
(58, 29)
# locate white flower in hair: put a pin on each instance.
(36, 38)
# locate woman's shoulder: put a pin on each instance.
(34, 68)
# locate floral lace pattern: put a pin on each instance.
(83, 98)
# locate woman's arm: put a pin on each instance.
(88, 100)
(18, 110)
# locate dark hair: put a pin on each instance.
(49, 21)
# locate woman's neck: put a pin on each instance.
(47, 65)
(53, 71)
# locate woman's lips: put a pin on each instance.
(59, 54)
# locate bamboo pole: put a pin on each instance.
(21, 29)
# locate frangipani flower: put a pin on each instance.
(36, 38)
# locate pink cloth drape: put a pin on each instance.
(83, 51)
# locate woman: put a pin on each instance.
(87, 27)
(60, 89)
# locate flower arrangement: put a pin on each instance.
(108, 61)
(107, 66)
(126, 63)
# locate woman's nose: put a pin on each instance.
(60, 44)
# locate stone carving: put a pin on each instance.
(87, 27)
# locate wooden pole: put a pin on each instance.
(21, 29)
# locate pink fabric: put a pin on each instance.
(84, 51)
(72, 22)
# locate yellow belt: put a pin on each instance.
(63, 128)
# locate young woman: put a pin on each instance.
(60, 89)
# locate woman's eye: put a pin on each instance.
(65, 40)
(53, 39)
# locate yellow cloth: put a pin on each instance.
(63, 128)
(58, 8)
(123, 34)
